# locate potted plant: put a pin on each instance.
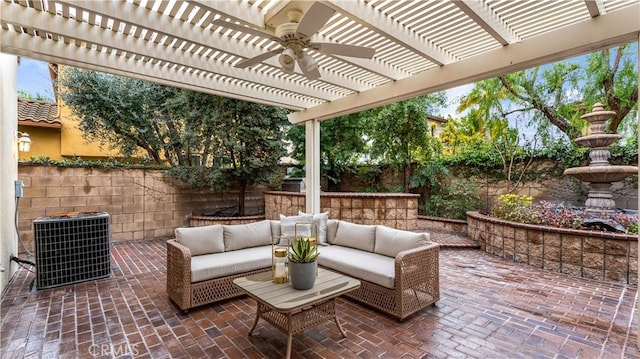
(303, 264)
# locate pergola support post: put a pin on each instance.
(9, 164)
(638, 121)
(312, 166)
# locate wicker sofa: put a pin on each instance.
(398, 269)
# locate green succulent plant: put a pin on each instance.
(301, 251)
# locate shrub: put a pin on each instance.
(455, 200)
(520, 209)
(516, 208)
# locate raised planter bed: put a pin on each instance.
(607, 256)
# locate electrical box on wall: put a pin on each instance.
(19, 188)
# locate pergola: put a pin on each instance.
(421, 47)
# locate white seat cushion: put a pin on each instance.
(374, 268)
(209, 266)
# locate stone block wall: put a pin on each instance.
(440, 224)
(142, 203)
(396, 210)
(590, 254)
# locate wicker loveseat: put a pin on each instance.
(398, 269)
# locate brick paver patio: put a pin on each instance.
(490, 308)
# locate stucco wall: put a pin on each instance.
(142, 204)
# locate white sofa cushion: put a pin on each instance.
(332, 228)
(321, 220)
(288, 226)
(201, 240)
(374, 268)
(359, 236)
(391, 241)
(240, 236)
(216, 265)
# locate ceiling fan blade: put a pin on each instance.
(257, 59)
(313, 74)
(245, 29)
(315, 18)
(344, 50)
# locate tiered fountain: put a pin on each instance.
(600, 174)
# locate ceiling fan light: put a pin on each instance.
(287, 58)
(307, 63)
(288, 68)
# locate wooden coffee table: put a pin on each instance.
(294, 311)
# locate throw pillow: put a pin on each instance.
(359, 236)
(321, 220)
(391, 241)
(201, 240)
(288, 226)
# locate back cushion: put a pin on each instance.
(288, 226)
(390, 241)
(321, 220)
(201, 240)
(332, 228)
(359, 236)
(239, 236)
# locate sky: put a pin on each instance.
(33, 77)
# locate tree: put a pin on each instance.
(400, 132)
(189, 131)
(562, 92)
(250, 137)
(342, 145)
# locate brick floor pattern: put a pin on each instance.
(489, 308)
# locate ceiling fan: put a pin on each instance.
(294, 38)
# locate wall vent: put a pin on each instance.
(71, 248)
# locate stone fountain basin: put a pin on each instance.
(598, 140)
(601, 174)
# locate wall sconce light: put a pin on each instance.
(24, 142)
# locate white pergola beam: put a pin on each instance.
(238, 10)
(364, 14)
(69, 54)
(184, 31)
(487, 20)
(607, 30)
(90, 34)
(595, 7)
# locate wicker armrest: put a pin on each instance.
(179, 273)
(417, 266)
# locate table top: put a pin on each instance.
(283, 298)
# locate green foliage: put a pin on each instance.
(455, 200)
(75, 161)
(186, 130)
(301, 251)
(400, 133)
(370, 175)
(38, 97)
(342, 144)
(513, 207)
(430, 175)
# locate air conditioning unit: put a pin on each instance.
(72, 248)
